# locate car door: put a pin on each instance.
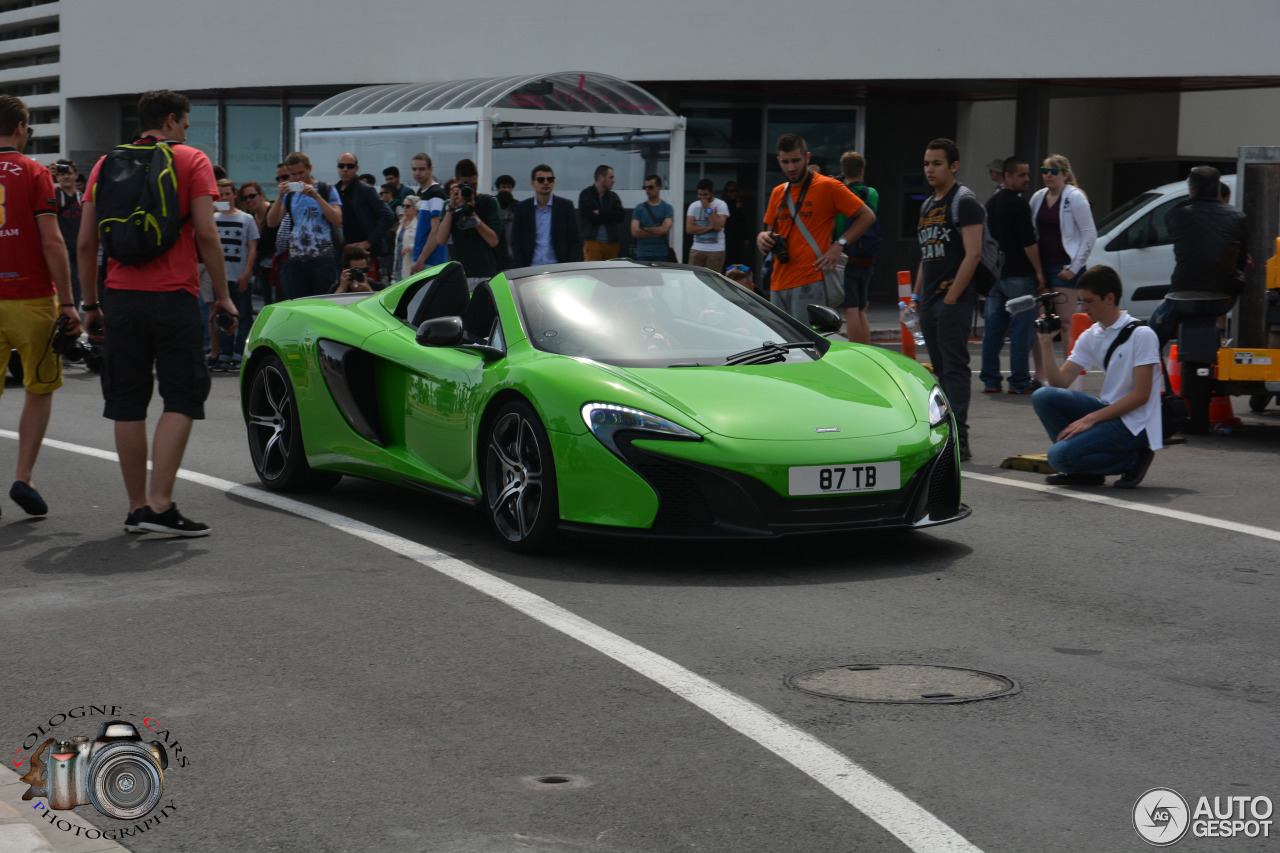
(428, 399)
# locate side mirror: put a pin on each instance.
(823, 319)
(440, 332)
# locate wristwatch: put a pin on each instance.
(93, 307)
(843, 242)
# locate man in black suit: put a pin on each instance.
(545, 228)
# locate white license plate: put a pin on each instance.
(839, 479)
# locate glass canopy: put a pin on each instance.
(572, 92)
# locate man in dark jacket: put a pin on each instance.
(1210, 241)
(543, 230)
(600, 213)
(367, 220)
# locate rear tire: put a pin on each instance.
(1258, 402)
(520, 480)
(275, 433)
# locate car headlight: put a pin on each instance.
(606, 420)
(939, 408)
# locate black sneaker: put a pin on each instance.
(171, 521)
(28, 498)
(965, 455)
(133, 521)
(1134, 475)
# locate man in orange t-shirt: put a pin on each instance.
(797, 281)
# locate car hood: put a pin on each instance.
(845, 394)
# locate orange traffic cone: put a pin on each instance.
(1175, 370)
(1220, 412)
(908, 342)
(904, 294)
(1079, 324)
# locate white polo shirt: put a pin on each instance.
(1142, 348)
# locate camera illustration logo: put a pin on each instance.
(116, 772)
(1161, 817)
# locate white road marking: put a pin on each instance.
(1163, 512)
(919, 830)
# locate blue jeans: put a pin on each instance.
(1021, 329)
(1105, 448)
(1171, 312)
(308, 277)
(946, 334)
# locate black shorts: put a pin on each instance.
(146, 330)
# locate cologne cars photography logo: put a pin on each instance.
(117, 772)
(1160, 816)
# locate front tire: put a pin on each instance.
(520, 480)
(275, 433)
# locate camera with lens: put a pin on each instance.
(63, 168)
(1050, 322)
(66, 345)
(116, 772)
(356, 275)
(780, 252)
(464, 215)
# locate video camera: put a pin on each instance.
(1050, 322)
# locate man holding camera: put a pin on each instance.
(34, 278)
(354, 277)
(797, 270)
(1119, 432)
(315, 232)
(473, 220)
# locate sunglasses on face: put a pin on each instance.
(1045, 170)
(250, 197)
(543, 179)
(346, 165)
(736, 268)
(650, 187)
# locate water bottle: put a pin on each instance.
(911, 321)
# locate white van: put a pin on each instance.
(1134, 241)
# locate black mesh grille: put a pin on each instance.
(944, 485)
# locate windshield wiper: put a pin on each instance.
(768, 352)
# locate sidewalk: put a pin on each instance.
(25, 826)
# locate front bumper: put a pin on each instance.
(699, 501)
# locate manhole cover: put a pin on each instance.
(902, 684)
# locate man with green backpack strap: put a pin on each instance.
(149, 205)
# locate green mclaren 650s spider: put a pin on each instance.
(618, 397)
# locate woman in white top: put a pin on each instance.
(405, 233)
(1065, 234)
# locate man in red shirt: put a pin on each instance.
(35, 287)
(150, 319)
(797, 282)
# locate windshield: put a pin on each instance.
(1121, 213)
(654, 317)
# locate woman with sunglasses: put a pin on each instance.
(406, 232)
(251, 200)
(1065, 234)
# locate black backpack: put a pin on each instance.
(870, 243)
(136, 196)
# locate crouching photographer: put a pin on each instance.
(354, 277)
(1119, 432)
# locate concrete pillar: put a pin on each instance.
(1031, 123)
